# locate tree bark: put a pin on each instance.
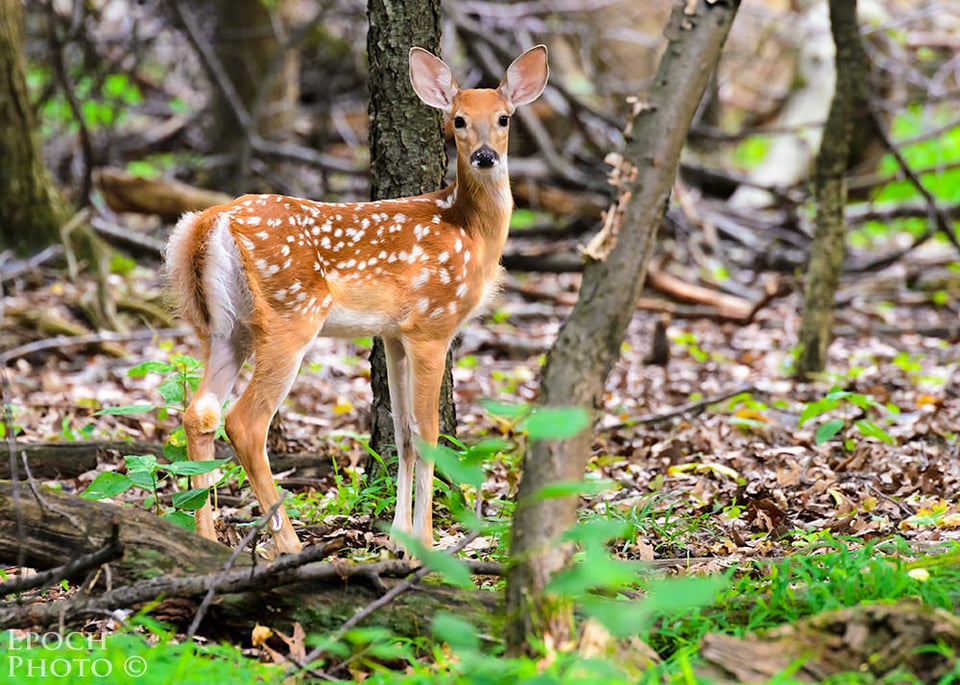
(407, 158)
(45, 528)
(32, 209)
(589, 341)
(828, 246)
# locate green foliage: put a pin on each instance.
(144, 471)
(751, 151)
(935, 158)
(104, 102)
(128, 659)
(831, 574)
(351, 495)
(182, 375)
(829, 428)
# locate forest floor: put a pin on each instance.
(720, 482)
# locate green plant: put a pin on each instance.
(352, 493)
(182, 375)
(844, 399)
(127, 658)
(144, 471)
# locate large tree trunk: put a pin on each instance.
(32, 210)
(589, 342)
(827, 249)
(406, 158)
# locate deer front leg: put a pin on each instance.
(398, 380)
(427, 361)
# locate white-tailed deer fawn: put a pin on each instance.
(263, 275)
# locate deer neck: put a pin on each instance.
(483, 205)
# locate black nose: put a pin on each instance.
(484, 158)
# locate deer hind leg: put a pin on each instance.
(248, 420)
(222, 363)
(398, 377)
(427, 361)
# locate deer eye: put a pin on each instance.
(459, 122)
(504, 120)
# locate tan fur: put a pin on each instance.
(265, 274)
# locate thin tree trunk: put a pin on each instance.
(828, 247)
(32, 209)
(589, 342)
(406, 158)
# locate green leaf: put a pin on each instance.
(452, 569)
(191, 500)
(107, 484)
(666, 597)
(506, 410)
(816, 409)
(622, 618)
(450, 462)
(599, 530)
(174, 451)
(194, 468)
(126, 409)
(144, 463)
(673, 595)
(182, 519)
(459, 633)
(143, 479)
(556, 423)
(141, 370)
(872, 430)
(827, 429)
(172, 390)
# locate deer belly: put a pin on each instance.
(344, 322)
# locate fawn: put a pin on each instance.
(264, 275)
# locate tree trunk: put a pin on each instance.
(827, 249)
(249, 41)
(407, 157)
(589, 341)
(32, 209)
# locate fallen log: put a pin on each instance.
(66, 459)
(166, 198)
(43, 528)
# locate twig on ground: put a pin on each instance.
(689, 408)
(228, 564)
(61, 341)
(381, 601)
(16, 268)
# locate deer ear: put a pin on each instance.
(526, 77)
(432, 80)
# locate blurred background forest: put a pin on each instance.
(137, 112)
(125, 104)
